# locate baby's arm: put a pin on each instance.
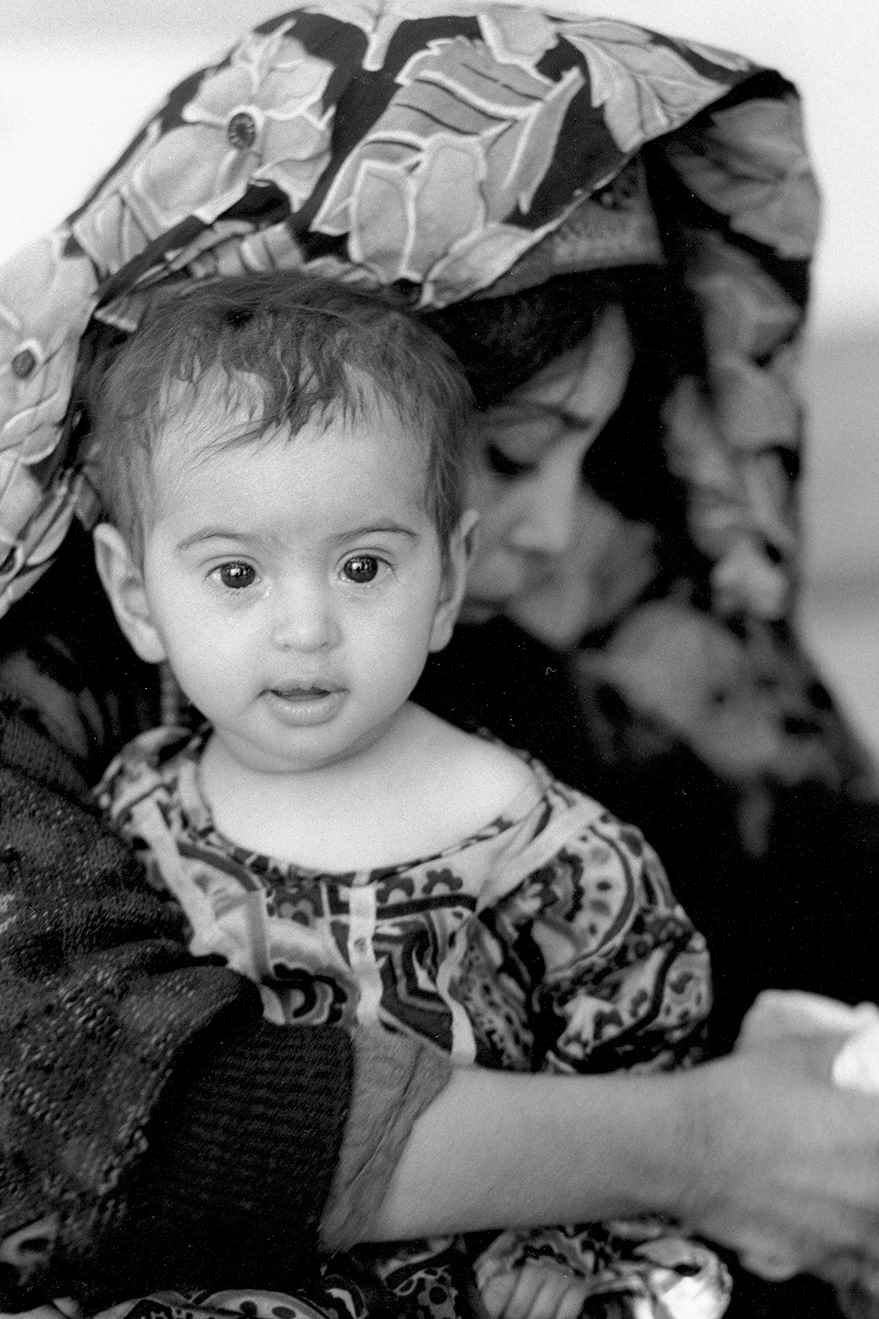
(625, 983)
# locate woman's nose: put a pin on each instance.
(546, 513)
(304, 618)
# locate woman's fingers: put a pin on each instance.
(782, 1163)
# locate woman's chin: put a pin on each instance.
(555, 617)
(480, 611)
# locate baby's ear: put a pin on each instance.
(123, 581)
(462, 546)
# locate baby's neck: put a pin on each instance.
(423, 787)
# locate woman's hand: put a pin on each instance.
(782, 1163)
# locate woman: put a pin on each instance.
(483, 151)
(614, 651)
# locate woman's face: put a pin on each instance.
(528, 486)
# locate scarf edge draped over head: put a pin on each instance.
(448, 149)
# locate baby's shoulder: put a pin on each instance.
(497, 763)
(478, 775)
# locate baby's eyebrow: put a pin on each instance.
(380, 528)
(210, 533)
(388, 528)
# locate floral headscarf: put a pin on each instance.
(453, 150)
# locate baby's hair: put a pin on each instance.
(279, 350)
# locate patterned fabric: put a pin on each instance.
(448, 154)
(335, 1299)
(548, 940)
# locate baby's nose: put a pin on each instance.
(304, 618)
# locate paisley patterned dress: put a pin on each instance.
(548, 940)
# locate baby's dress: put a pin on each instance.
(548, 940)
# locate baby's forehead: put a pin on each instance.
(286, 488)
(200, 421)
(233, 400)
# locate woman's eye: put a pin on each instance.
(361, 569)
(502, 465)
(235, 576)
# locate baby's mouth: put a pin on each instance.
(303, 705)
(299, 692)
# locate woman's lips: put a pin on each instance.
(305, 707)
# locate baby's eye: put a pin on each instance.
(361, 569)
(235, 576)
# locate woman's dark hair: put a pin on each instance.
(502, 342)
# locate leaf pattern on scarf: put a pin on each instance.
(751, 165)
(45, 303)
(257, 118)
(645, 87)
(458, 115)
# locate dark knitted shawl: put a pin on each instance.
(100, 1007)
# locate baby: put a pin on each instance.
(283, 463)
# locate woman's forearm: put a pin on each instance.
(755, 1149)
(498, 1149)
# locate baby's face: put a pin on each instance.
(296, 585)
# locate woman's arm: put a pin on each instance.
(752, 1149)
